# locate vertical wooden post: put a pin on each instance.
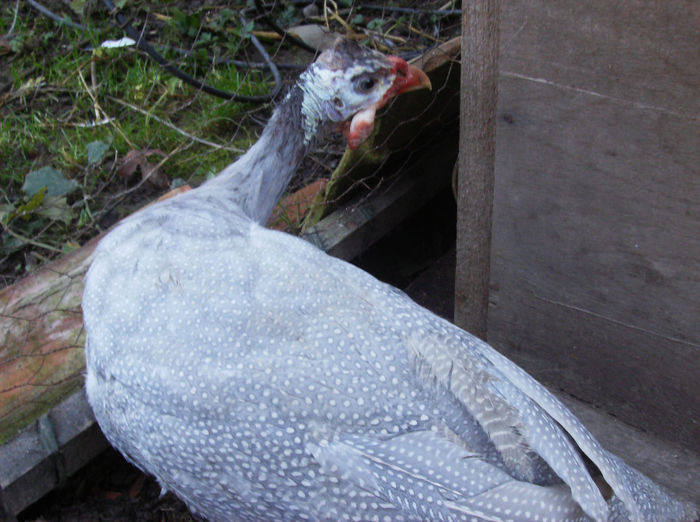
(480, 36)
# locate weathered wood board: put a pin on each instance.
(596, 241)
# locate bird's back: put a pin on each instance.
(259, 378)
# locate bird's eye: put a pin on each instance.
(366, 84)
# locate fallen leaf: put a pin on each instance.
(56, 208)
(55, 182)
(25, 210)
(5, 46)
(96, 151)
(291, 209)
(78, 7)
(129, 163)
(314, 35)
(137, 159)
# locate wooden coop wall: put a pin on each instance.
(595, 278)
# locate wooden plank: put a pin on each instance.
(48, 451)
(673, 466)
(639, 52)
(596, 247)
(41, 340)
(477, 153)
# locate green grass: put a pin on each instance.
(57, 88)
(52, 105)
(62, 95)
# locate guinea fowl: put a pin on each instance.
(259, 379)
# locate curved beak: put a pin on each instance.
(408, 78)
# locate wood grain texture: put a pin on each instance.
(28, 469)
(41, 340)
(477, 151)
(596, 246)
(670, 465)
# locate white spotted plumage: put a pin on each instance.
(259, 378)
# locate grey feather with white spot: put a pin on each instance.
(260, 379)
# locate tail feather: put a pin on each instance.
(523, 433)
(642, 498)
(433, 478)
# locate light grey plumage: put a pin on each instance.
(259, 379)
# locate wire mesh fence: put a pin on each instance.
(106, 107)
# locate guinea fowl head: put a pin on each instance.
(341, 90)
(348, 83)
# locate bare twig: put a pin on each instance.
(423, 34)
(410, 10)
(174, 127)
(64, 21)
(98, 109)
(284, 34)
(376, 35)
(142, 44)
(244, 64)
(14, 20)
(29, 241)
(335, 16)
(93, 81)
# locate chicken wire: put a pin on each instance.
(41, 344)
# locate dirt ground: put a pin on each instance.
(108, 489)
